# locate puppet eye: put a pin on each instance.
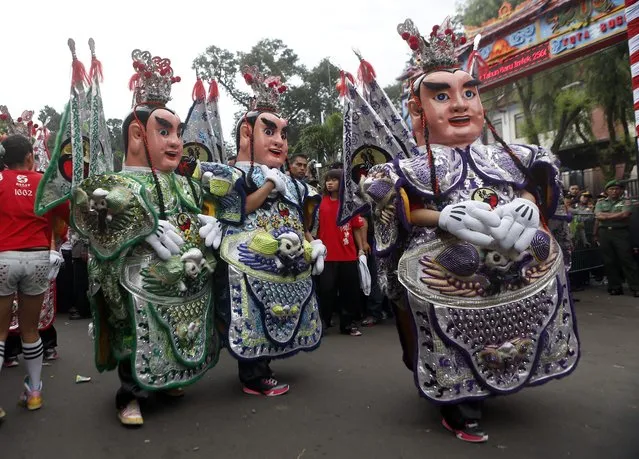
(469, 94)
(269, 131)
(164, 132)
(442, 96)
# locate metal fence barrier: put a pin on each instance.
(586, 254)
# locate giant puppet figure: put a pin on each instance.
(150, 277)
(479, 282)
(265, 289)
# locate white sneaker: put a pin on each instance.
(130, 415)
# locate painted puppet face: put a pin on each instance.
(270, 144)
(164, 137)
(452, 108)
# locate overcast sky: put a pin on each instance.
(36, 62)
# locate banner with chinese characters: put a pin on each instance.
(522, 41)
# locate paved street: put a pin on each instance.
(351, 398)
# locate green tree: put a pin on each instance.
(322, 142)
(50, 116)
(394, 93)
(611, 89)
(114, 127)
(475, 12)
(310, 95)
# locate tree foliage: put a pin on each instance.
(322, 142)
(50, 116)
(475, 12)
(114, 127)
(310, 93)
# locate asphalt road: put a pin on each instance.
(352, 398)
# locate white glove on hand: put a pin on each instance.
(206, 179)
(165, 241)
(364, 275)
(317, 256)
(470, 221)
(275, 176)
(210, 231)
(519, 223)
(55, 261)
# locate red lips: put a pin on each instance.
(459, 121)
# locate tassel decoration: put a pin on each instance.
(214, 91)
(199, 92)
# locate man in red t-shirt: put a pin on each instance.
(340, 275)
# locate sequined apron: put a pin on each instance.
(274, 311)
(487, 322)
(173, 339)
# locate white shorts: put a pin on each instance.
(24, 272)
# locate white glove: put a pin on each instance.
(165, 241)
(206, 179)
(470, 221)
(364, 275)
(519, 223)
(55, 261)
(275, 176)
(210, 231)
(318, 254)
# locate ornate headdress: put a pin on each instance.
(436, 54)
(266, 89)
(152, 80)
(23, 125)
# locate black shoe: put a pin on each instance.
(74, 315)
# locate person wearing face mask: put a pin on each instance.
(477, 280)
(264, 287)
(149, 269)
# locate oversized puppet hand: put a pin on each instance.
(210, 231)
(470, 221)
(519, 223)
(317, 256)
(206, 179)
(55, 261)
(275, 176)
(165, 241)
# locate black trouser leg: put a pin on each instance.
(12, 347)
(375, 299)
(348, 287)
(251, 371)
(64, 284)
(49, 338)
(458, 414)
(327, 291)
(129, 389)
(81, 287)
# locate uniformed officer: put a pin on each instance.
(613, 214)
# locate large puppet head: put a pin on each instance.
(445, 107)
(152, 133)
(261, 134)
